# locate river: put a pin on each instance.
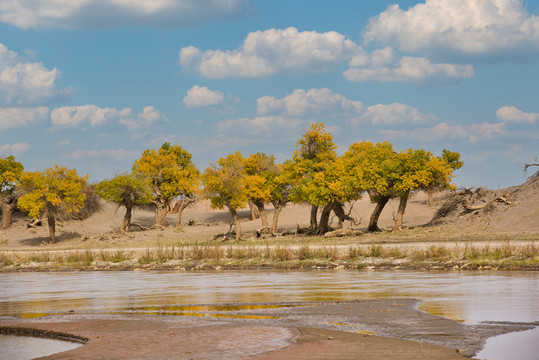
(472, 297)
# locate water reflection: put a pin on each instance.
(467, 296)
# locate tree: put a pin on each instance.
(172, 173)
(127, 190)
(260, 181)
(419, 170)
(10, 173)
(319, 177)
(53, 193)
(225, 186)
(369, 168)
(280, 193)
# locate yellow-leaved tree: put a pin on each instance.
(368, 168)
(127, 190)
(319, 177)
(225, 186)
(260, 183)
(417, 170)
(172, 173)
(52, 193)
(10, 173)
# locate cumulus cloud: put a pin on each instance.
(84, 14)
(116, 154)
(442, 131)
(143, 120)
(385, 66)
(264, 53)
(459, 29)
(18, 148)
(24, 83)
(22, 117)
(392, 114)
(512, 114)
(74, 116)
(261, 125)
(201, 96)
(311, 102)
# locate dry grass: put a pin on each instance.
(505, 255)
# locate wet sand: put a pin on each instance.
(366, 329)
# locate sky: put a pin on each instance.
(91, 84)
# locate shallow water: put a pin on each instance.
(472, 297)
(25, 347)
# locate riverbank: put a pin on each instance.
(367, 329)
(321, 254)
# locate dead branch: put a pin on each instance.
(140, 226)
(502, 198)
(34, 223)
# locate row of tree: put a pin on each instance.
(315, 174)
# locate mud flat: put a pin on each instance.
(367, 329)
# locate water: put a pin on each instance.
(472, 297)
(26, 348)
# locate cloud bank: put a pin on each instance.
(87, 14)
(77, 116)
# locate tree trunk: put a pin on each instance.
(323, 226)
(276, 214)
(184, 203)
(338, 209)
(160, 212)
(254, 213)
(314, 220)
(52, 228)
(236, 219)
(400, 213)
(373, 222)
(430, 195)
(263, 216)
(127, 217)
(7, 213)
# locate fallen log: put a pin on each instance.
(343, 232)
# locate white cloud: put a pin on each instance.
(22, 117)
(81, 14)
(512, 114)
(143, 120)
(24, 83)
(442, 131)
(18, 148)
(264, 53)
(201, 96)
(261, 125)
(73, 116)
(405, 69)
(392, 114)
(116, 154)
(459, 29)
(311, 102)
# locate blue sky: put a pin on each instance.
(90, 84)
